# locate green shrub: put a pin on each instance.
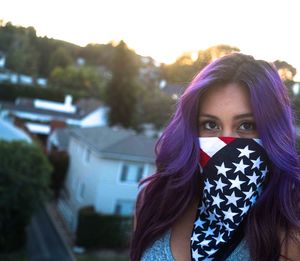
(24, 184)
(102, 231)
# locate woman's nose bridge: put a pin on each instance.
(228, 131)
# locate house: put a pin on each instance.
(149, 72)
(105, 167)
(9, 76)
(172, 90)
(2, 60)
(59, 139)
(38, 115)
(9, 132)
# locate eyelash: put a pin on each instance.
(253, 127)
(207, 122)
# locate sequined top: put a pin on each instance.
(160, 250)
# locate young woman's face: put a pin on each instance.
(226, 111)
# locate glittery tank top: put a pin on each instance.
(160, 250)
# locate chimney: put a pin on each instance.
(68, 100)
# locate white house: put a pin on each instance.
(39, 114)
(172, 90)
(9, 132)
(59, 139)
(106, 165)
(2, 60)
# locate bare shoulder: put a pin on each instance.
(290, 249)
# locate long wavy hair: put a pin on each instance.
(166, 194)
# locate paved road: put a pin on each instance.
(43, 241)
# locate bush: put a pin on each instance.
(24, 184)
(102, 231)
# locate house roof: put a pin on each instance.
(171, 89)
(29, 108)
(9, 132)
(117, 143)
(84, 107)
(88, 105)
(63, 137)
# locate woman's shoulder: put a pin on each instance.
(160, 249)
(290, 246)
(241, 253)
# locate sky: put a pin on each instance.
(164, 29)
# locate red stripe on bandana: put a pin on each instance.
(227, 139)
(204, 158)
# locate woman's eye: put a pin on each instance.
(210, 125)
(247, 126)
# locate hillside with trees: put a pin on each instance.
(127, 82)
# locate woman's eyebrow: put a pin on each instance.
(208, 116)
(244, 115)
(236, 117)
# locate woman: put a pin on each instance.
(227, 183)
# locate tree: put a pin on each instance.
(123, 90)
(287, 73)
(98, 54)
(84, 78)
(24, 184)
(36, 56)
(7, 33)
(182, 71)
(285, 70)
(22, 54)
(155, 107)
(184, 68)
(60, 58)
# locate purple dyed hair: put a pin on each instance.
(168, 192)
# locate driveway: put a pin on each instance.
(43, 240)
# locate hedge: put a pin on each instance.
(95, 230)
(24, 185)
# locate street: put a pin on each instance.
(43, 241)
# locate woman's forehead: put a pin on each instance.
(223, 99)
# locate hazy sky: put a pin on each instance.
(164, 29)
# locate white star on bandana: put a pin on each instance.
(245, 152)
(236, 183)
(240, 166)
(222, 169)
(256, 163)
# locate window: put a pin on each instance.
(131, 173)
(124, 172)
(140, 173)
(87, 155)
(75, 183)
(124, 207)
(80, 191)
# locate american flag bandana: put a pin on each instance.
(233, 170)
